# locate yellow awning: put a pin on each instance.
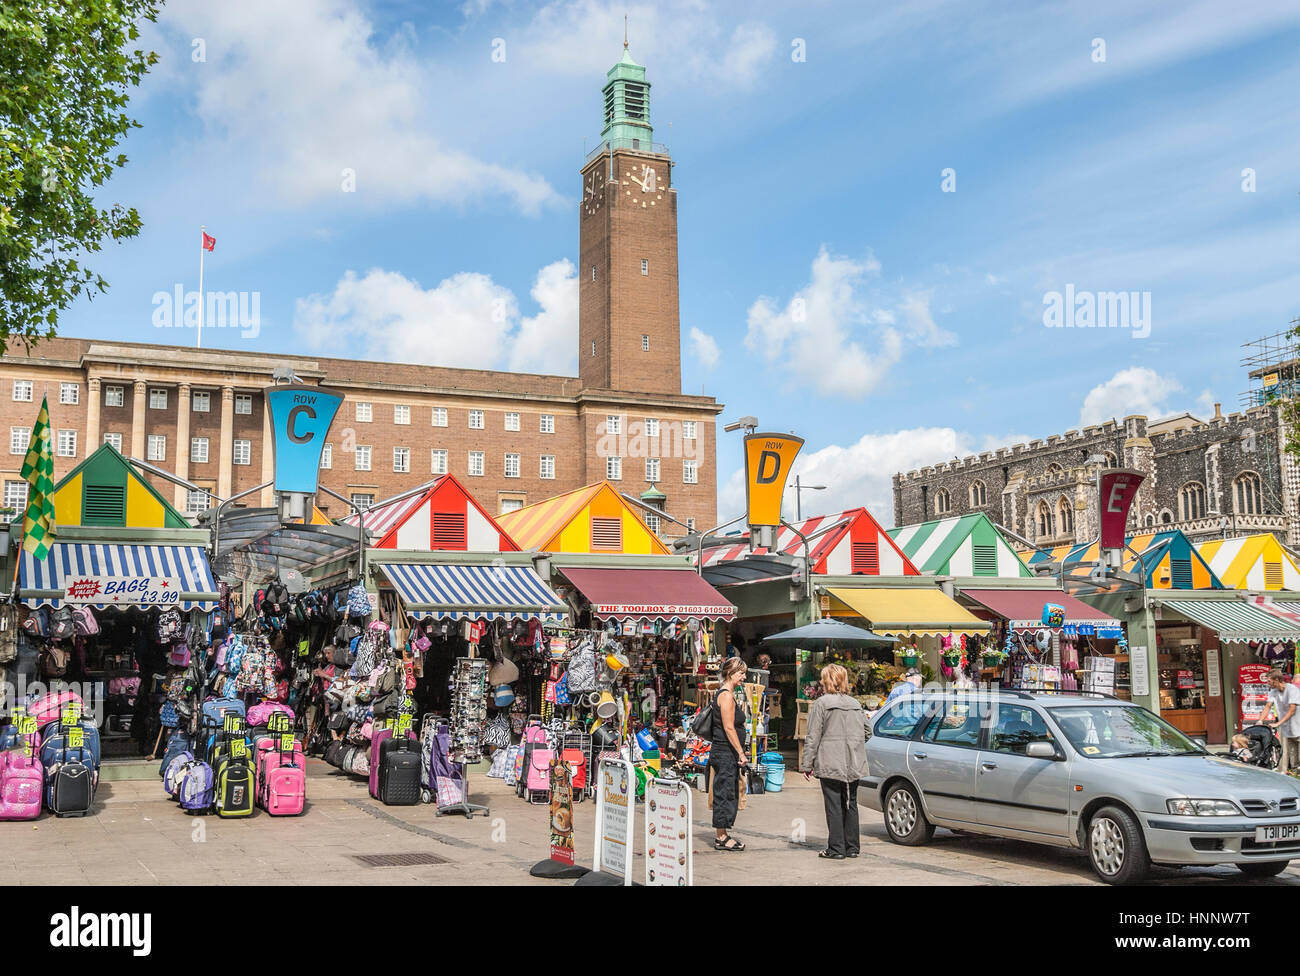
(905, 611)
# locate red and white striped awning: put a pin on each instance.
(379, 520)
(787, 542)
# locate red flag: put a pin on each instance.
(209, 242)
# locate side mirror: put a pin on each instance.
(1200, 742)
(1041, 750)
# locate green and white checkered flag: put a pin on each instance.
(38, 470)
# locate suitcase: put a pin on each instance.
(539, 770)
(22, 785)
(235, 788)
(399, 774)
(197, 790)
(177, 743)
(71, 789)
(377, 739)
(47, 709)
(54, 739)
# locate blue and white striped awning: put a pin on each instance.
(44, 581)
(474, 592)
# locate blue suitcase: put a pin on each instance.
(177, 743)
(54, 743)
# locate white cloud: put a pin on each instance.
(548, 341)
(466, 321)
(857, 474)
(704, 348)
(1136, 390)
(829, 338)
(297, 92)
(748, 51)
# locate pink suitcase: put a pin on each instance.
(267, 746)
(539, 770)
(261, 713)
(22, 785)
(47, 709)
(281, 779)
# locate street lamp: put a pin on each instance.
(798, 502)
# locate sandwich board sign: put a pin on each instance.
(615, 818)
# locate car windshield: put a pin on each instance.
(1115, 731)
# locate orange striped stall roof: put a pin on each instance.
(542, 526)
(1156, 549)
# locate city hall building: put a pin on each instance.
(511, 438)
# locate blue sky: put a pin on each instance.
(829, 285)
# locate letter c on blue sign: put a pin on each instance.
(293, 417)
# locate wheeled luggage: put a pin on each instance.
(399, 773)
(22, 783)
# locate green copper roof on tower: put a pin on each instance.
(627, 105)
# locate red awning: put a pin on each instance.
(651, 593)
(1024, 608)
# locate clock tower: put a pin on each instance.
(629, 333)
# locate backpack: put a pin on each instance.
(8, 634)
(219, 624)
(582, 671)
(84, 622)
(62, 624)
(274, 600)
(358, 602)
(38, 622)
(169, 626)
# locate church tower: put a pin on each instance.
(629, 333)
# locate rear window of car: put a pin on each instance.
(899, 721)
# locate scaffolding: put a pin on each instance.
(1272, 366)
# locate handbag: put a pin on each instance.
(582, 671)
(562, 690)
(497, 732)
(503, 672)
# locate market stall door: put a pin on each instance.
(1216, 720)
(1013, 791)
(942, 763)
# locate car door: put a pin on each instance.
(1014, 791)
(942, 761)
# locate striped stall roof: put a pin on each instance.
(1253, 562)
(67, 560)
(1235, 621)
(576, 522)
(475, 592)
(380, 519)
(1170, 559)
(965, 545)
(869, 550)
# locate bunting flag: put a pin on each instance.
(38, 471)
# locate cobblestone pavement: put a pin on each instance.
(138, 837)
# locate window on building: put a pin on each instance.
(20, 438)
(690, 525)
(476, 420)
(244, 403)
(70, 393)
(363, 499)
(1054, 471)
(1166, 517)
(1046, 521)
(511, 505)
(645, 343)
(942, 502)
(439, 417)
(645, 270)
(23, 391)
(651, 469)
(16, 496)
(652, 523)
(593, 272)
(439, 465)
(651, 427)
(401, 460)
(156, 447)
(114, 396)
(593, 349)
(1247, 494)
(115, 439)
(476, 464)
(401, 413)
(365, 412)
(327, 456)
(512, 420)
(361, 460)
(613, 423)
(1150, 521)
(1065, 513)
(201, 401)
(614, 468)
(1191, 501)
(546, 469)
(197, 500)
(157, 399)
(198, 450)
(243, 451)
(1110, 459)
(690, 472)
(978, 496)
(688, 430)
(512, 465)
(449, 530)
(547, 424)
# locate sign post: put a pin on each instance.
(301, 416)
(768, 458)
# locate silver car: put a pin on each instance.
(1075, 770)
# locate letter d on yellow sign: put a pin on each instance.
(768, 458)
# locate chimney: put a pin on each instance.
(1218, 412)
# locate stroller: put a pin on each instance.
(1262, 748)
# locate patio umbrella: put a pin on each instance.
(830, 633)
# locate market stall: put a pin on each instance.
(1254, 562)
(968, 545)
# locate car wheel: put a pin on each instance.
(904, 821)
(1265, 869)
(1116, 847)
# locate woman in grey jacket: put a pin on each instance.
(835, 751)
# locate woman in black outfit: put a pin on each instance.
(727, 755)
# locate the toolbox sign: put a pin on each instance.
(300, 422)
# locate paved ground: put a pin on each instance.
(138, 837)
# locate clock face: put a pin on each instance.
(593, 192)
(642, 185)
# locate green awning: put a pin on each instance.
(1234, 621)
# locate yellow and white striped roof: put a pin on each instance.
(1253, 562)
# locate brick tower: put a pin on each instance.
(629, 333)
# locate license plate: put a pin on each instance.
(1276, 832)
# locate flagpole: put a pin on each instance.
(203, 230)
